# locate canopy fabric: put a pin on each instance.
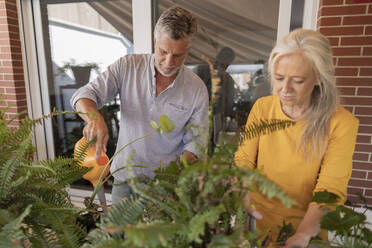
(248, 27)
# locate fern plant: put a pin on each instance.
(184, 205)
(349, 227)
(34, 204)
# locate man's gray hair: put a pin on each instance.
(177, 23)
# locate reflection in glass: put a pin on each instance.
(84, 39)
(245, 28)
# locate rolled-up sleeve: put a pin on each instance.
(104, 88)
(336, 167)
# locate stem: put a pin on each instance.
(98, 186)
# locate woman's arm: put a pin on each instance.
(308, 228)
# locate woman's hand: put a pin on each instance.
(247, 204)
(297, 240)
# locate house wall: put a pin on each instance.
(348, 25)
(12, 83)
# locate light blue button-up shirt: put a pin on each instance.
(185, 102)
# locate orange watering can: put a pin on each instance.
(98, 165)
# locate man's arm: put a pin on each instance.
(96, 125)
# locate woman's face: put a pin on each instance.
(294, 80)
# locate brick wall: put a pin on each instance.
(12, 84)
(348, 25)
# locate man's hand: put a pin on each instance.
(190, 157)
(96, 125)
(99, 129)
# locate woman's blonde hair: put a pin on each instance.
(324, 99)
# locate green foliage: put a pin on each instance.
(349, 227)
(33, 194)
(324, 197)
(199, 205)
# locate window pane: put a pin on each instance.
(84, 39)
(236, 37)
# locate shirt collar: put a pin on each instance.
(177, 80)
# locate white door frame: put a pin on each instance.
(35, 63)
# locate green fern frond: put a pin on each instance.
(156, 234)
(8, 169)
(127, 211)
(254, 178)
(196, 225)
(67, 234)
(264, 127)
(11, 234)
(168, 208)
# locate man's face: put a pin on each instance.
(169, 54)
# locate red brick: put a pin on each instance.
(359, 174)
(346, 71)
(15, 97)
(346, 91)
(368, 30)
(5, 56)
(357, 200)
(365, 92)
(13, 28)
(6, 70)
(19, 90)
(330, 2)
(368, 192)
(350, 109)
(364, 138)
(355, 61)
(367, 51)
(365, 72)
(343, 10)
(329, 21)
(356, 41)
(365, 120)
(360, 183)
(365, 129)
(370, 175)
(362, 166)
(346, 51)
(354, 20)
(333, 41)
(363, 110)
(13, 84)
(354, 191)
(334, 31)
(349, 81)
(363, 148)
(361, 156)
(357, 101)
(358, 1)
(370, 8)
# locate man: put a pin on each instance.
(149, 86)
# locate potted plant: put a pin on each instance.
(80, 71)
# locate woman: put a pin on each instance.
(313, 155)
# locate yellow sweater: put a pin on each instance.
(276, 155)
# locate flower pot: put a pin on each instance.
(81, 74)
